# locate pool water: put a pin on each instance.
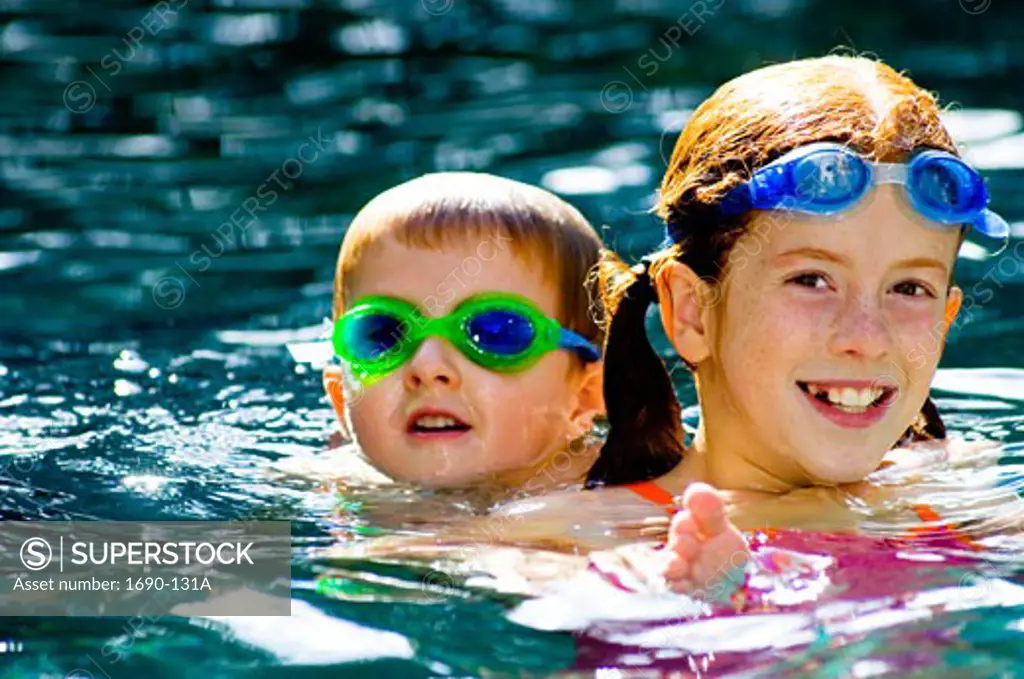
(144, 368)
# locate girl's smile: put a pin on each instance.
(849, 403)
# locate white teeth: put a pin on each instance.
(435, 422)
(848, 396)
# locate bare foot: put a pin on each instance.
(703, 547)
(703, 556)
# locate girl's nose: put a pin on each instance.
(432, 365)
(861, 331)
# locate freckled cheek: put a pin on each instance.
(774, 325)
(748, 360)
(918, 335)
(916, 320)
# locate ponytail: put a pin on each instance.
(645, 436)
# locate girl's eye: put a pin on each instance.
(810, 280)
(913, 289)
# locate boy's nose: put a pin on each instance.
(432, 365)
(861, 331)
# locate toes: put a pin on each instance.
(676, 568)
(687, 545)
(708, 509)
(681, 586)
(721, 557)
(684, 536)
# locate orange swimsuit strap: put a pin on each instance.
(926, 513)
(653, 493)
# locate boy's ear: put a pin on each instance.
(683, 300)
(589, 397)
(336, 395)
(953, 301)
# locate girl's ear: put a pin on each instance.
(683, 299)
(336, 395)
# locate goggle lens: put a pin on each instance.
(501, 332)
(372, 335)
(947, 186)
(829, 179)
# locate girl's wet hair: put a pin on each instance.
(645, 437)
(746, 124)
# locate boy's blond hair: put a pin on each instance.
(437, 210)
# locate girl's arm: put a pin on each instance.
(601, 532)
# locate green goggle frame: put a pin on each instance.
(497, 330)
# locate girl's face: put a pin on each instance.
(828, 333)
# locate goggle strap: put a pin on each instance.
(568, 339)
(991, 224)
(738, 200)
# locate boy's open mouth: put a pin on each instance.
(848, 398)
(435, 423)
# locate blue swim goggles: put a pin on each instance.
(827, 178)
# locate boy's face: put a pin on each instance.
(510, 425)
(824, 309)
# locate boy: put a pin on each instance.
(484, 401)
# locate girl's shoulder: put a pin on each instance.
(594, 519)
(575, 501)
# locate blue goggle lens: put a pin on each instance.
(504, 333)
(371, 335)
(947, 187)
(830, 180)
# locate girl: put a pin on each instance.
(814, 211)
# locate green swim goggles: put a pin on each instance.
(499, 331)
